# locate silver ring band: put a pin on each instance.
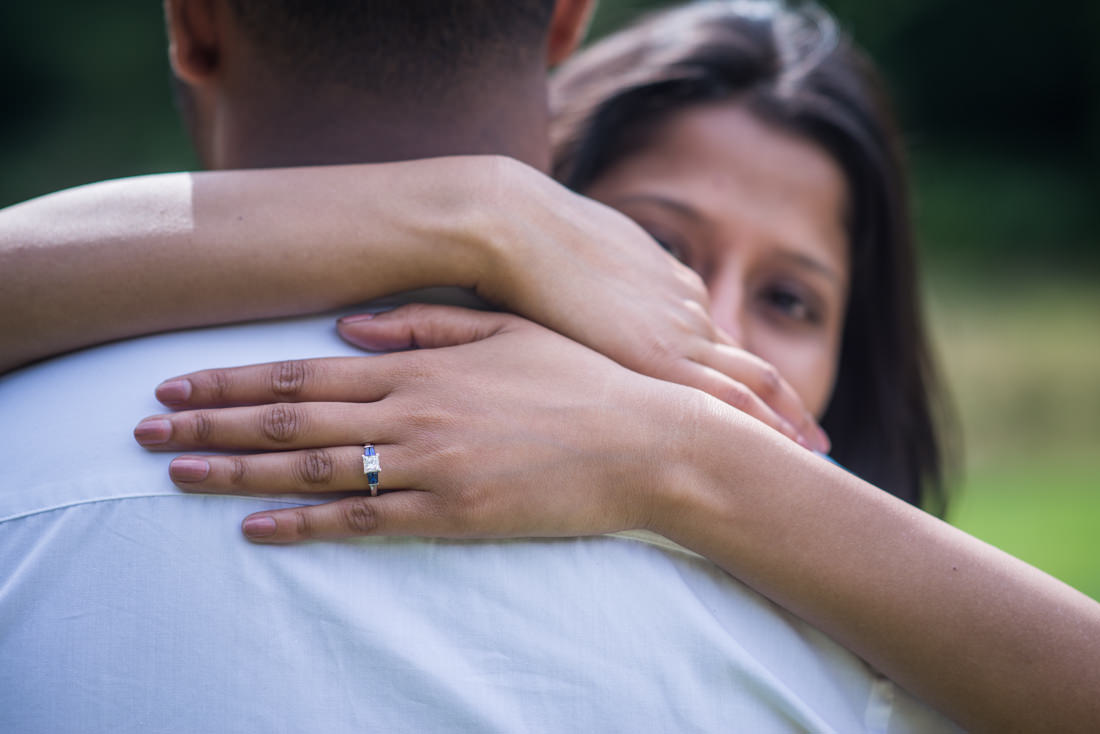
(372, 468)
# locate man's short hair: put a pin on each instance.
(384, 44)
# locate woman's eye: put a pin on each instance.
(790, 304)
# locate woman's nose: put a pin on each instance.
(727, 304)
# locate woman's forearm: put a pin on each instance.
(993, 642)
(135, 256)
(591, 448)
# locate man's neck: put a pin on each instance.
(340, 125)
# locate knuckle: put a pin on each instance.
(218, 385)
(416, 371)
(202, 426)
(238, 471)
(739, 397)
(697, 291)
(416, 310)
(697, 310)
(281, 423)
(303, 523)
(455, 517)
(315, 466)
(659, 351)
(693, 282)
(455, 510)
(360, 516)
(426, 425)
(288, 379)
(437, 519)
(433, 432)
(500, 167)
(770, 381)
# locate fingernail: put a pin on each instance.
(803, 442)
(356, 317)
(823, 439)
(188, 469)
(153, 431)
(173, 391)
(258, 527)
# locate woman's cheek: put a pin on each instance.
(807, 364)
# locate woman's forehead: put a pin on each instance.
(721, 165)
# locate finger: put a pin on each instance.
(723, 337)
(398, 513)
(734, 393)
(352, 379)
(422, 326)
(266, 427)
(765, 380)
(332, 469)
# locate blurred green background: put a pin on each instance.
(1001, 106)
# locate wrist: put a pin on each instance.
(707, 466)
(680, 479)
(455, 234)
(496, 227)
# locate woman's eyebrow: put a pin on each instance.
(685, 210)
(795, 256)
(806, 262)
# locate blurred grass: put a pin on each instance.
(1021, 353)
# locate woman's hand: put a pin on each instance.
(232, 246)
(592, 274)
(521, 432)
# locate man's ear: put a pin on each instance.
(193, 39)
(567, 28)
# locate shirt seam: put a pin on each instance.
(143, 495)
(637, 536)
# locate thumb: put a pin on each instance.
(420, 326)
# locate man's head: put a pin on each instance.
(306, 73)
(394, 45)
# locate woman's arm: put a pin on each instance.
(136, 256)
(523, 433)
(993, 642)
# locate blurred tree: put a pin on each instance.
(88, 95)
(1001, 102)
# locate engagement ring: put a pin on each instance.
(371, 468)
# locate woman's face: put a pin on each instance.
(759, 214)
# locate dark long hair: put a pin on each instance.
(795, 70)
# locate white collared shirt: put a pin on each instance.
(127, 605)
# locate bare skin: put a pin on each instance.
(221, 246)
(758, 214)
(852, 608)
(589, 447)
(990, 641)
(720, 483)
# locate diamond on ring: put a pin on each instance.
(371, 467)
